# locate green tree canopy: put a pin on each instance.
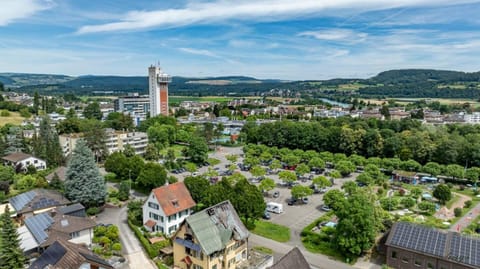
(267, 185)
(83, 182)
(197, 186)
(92, 111)
(152, 175)
(11, 255)
(197, 151)
(300, 191)
(287, 176)
(443, 193)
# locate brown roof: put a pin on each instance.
(37, 199)
(69, 224)
(293, 259)
(60, 171)
(63, 254)
(16, 157)
(150, 223)
(173, 198)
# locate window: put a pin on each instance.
(418, 262)
(214, 267)
(405, 260)
(35, 161)
(394, 254)
(172, 217)
(430, 266)
(152, 205)
(197, 267)
(74, 234)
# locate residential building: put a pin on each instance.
(36, 201)
(293, 259)
(21, 161)
(117, 140)
(167, 207)
(158, 91)
(212, 238)
(63, 254)
(137, 106)
(77, 210)
(40, 231)
(473, 118)
(415, 246)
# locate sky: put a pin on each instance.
(277, 39)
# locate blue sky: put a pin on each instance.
(283, 39)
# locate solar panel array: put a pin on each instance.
(38, 225)
(419, 238)
(19, 201)
(44, 202)
(50, 257)
(465, 249)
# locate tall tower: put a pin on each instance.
(158, 91)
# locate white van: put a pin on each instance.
(274, 207)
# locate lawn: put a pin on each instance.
(452, 201)
(176, 148)
(178, 99)
(272, 231)
(14, 118)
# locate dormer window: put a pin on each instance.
(175, 203)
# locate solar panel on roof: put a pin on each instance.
(18, 202)
(50, 257)
(37, 225)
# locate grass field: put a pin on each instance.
(176, 148)
(14, 118)
(272, 231)
(405, 101)
(178, 99)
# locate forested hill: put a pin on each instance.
(424, 83)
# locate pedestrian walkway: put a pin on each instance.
(465, 221)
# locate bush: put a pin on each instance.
(467, 204)
(5, 113)
(93, 211)
(110, 177)
(145, 243)
(457, 211)
(408, 202)
(117, 247)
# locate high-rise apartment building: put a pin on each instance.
(158, 91)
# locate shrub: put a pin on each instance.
(5, 113)
(93, 211)
(380, 191)
(117, 247)
(427, 206)
(110, 177)
(457, 211)
(145, 243)
(408, 202)
(467, 204)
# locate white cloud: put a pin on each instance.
(199, 52)
(338, 35)
(12, 10)
(260, 10)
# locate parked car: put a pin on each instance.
(276, 194)
(291, 184)
(325, 208)
(266, 215)
(292, 201)
(305, 200)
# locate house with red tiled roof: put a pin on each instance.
(167, 207)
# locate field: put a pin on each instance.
(178, 99)
(272, 231)
(474, 103)
(14, 118)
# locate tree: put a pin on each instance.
(47, 144)
(266, 185)
(316, 162)
(291, 159)
(197, 151)
(287, 176)
(153, 175)
(443, 193)
(374, 172)
(345, 168)
(365, 178)
(119, 121)
(334, 199)
(302, 169)
(257, 171)
(92, 111)
(11, 255)
(433, 168)
(95, 138)
(232, 158)
(117, 163)
(83, 182)
(357, 224)
(197, 186)
(300, 191)
(151, 153)
(275, 165)
(124, 190)
(191, 167)
(454, 170)
(36, 102)
(128, 150)
(321, 182)
(411, 165)
(251, 161)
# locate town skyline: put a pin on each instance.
(262, 39)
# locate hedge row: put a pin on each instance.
(152, 253)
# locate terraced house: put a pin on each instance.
(214, 238)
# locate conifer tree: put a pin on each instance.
(11, 255)
(83, 182)
(46, 145)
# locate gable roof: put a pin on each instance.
(63, 254)
(17, 157)
(69, 224)
(173, 198)
(38, 225)
(293, 259)
(37, 199)
(215, 226)
(60, 171)
(450, 246)
(76, 209)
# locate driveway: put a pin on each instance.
(464, 221)
(132, 249)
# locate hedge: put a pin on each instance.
(152, 253)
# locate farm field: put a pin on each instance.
(474, 103)
(14, 118)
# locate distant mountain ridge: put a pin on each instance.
(393, 83)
